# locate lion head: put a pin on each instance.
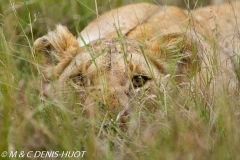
(153, 57)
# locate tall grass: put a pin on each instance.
(199, 129)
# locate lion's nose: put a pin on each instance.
(113, 102)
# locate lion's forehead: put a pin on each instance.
(113, 45)
(109, 61)
(111, 54)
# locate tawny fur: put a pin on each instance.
(60, 46)
(165, 45)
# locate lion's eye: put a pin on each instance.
(79, 79)
(139, 81)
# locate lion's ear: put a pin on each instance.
(57, 45)
(56, 48)
(176, 54)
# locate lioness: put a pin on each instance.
(143, 51)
